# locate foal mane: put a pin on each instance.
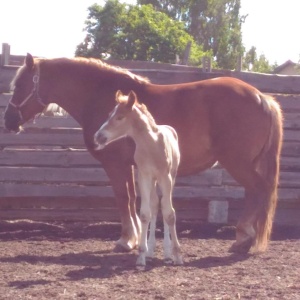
(144, 110)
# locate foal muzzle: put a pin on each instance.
(100, 140)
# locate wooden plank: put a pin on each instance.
(290, 164)
(54, 175)
(44, 202)
(291, 135)
(44, 158)
(49, 122)
(287, 180)
(288, 102)
(209, 177)
(90, 175)
(51, 190)
(47, 190)
(111, 215)
(291, 121)
(31, 139)
(291, 149)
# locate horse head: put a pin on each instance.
(25, 102)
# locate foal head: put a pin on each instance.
(119, 121)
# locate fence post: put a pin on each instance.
(218, 211)
(206, 64)
(239, 66)
(186, 53)
(5, 54)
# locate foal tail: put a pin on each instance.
(269, 162)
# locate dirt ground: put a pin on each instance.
(57, 260)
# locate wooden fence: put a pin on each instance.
(46, 173)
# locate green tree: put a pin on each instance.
(136, 33)
(251, 62)
(214, 24)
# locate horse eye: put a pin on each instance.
(120, 118)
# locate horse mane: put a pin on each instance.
(93, 66)
(114, 69)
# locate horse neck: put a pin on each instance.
(64, 90)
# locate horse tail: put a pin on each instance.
(269, 165)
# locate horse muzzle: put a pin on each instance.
(12, 120)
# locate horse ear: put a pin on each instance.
(119, 95)
(132, 98)
(29, 61)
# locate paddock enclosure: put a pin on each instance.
(58, 219)
(47, 174)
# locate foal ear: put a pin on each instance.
(132, 98)
(119, 96)
(29, 61)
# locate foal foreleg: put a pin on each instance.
(145, 185)
(154, 203)
(170, 217)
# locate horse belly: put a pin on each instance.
(196, 156)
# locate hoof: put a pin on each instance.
(242, 248)
(168, 261)
(141, 262)
(178, 261)
(123, 246)
(121, 249)
(149, 259)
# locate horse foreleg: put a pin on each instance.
(132, 203)
(122, 181)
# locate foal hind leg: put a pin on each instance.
(168, 212)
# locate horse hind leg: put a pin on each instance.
(245, 229)
(254, 226)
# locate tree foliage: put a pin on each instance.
(214, 24)
(253, 62)
(136, 33)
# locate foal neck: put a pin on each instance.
(143, 125)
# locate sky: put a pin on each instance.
(54, 28)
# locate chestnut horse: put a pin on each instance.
(221, 119)
(157, 158)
